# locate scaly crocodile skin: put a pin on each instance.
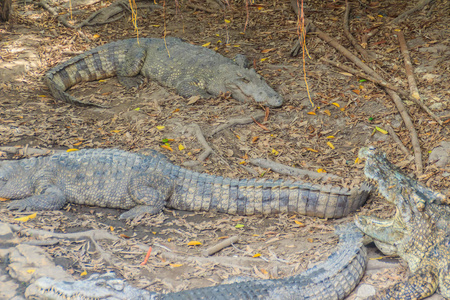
(418, 232)
(189, 69)
(332, 279)
(147, 183)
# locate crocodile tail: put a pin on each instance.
(202, 192)
(95, 64)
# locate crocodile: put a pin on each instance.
(145, 183)
(191, 70)
(424, 247)
(332, 279)
(419, 232)
(390, 180)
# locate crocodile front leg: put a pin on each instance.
(150, 192)
(50, 199)
(128, 71)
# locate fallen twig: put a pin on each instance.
(201, 139)
(238, 121)
(397, 100)
(408, 66)
(350, 37)
(384, 84)
(397, 139)
(223, 244)
(291, 171)
(92, 235)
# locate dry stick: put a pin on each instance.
(419, 6)
(238, 121)
(397, 139)
(397, 20)
(223, 244)
(201, 138)
(386, 85)
(286, 170)
(350, 37)
(198, 7)
(397, 100)
(408, 66)
(93, 235)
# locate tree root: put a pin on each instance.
(106, 15)
(92, 235)
(238, 121)
(355, 44)
(385, 85)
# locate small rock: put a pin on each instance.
(440, 156)
(365, 291)
(437, 106)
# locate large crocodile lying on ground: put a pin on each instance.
(147, 183)
(419, 232)
(191, 70)
(332, 279)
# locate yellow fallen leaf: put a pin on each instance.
(156, 25)
(227, 21)
(299, 223)
(238, 136)
(207, 44)
(42, 96)
(169, 239)
(223, 237)
(381, 130)
(111, 228)
(274, 152)
(310, 240)
(327, 112)
(263, 59)
(264, 271)
(194, 243)
(219, 42)
(242, 162)
(336, 104)
(3, 199)
(78, 144)
(217, 34)
(330, 145)
(321, 171)
(312, 150)
(330, 137)
(26, 218)
(180, 147)
(268, 50)
(236, 46)
(357, 92)
(239, 226)
(84, 273)
(311, 113)
(160, 127)
(95, 36)
(71, 150)
(256, 255)
(357, 160)
(31, 271)
(167, 148)
(137, 109)
(102, 80)
(255, 138)
(175, 265)
(115, 131)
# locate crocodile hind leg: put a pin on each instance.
(128, 71)
(421, 284)
(149, 191)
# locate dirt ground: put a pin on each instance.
(325, 138)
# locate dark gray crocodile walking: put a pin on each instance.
(332, 279)
(147, 183)
(189, 69)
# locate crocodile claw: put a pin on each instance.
(19, 205)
